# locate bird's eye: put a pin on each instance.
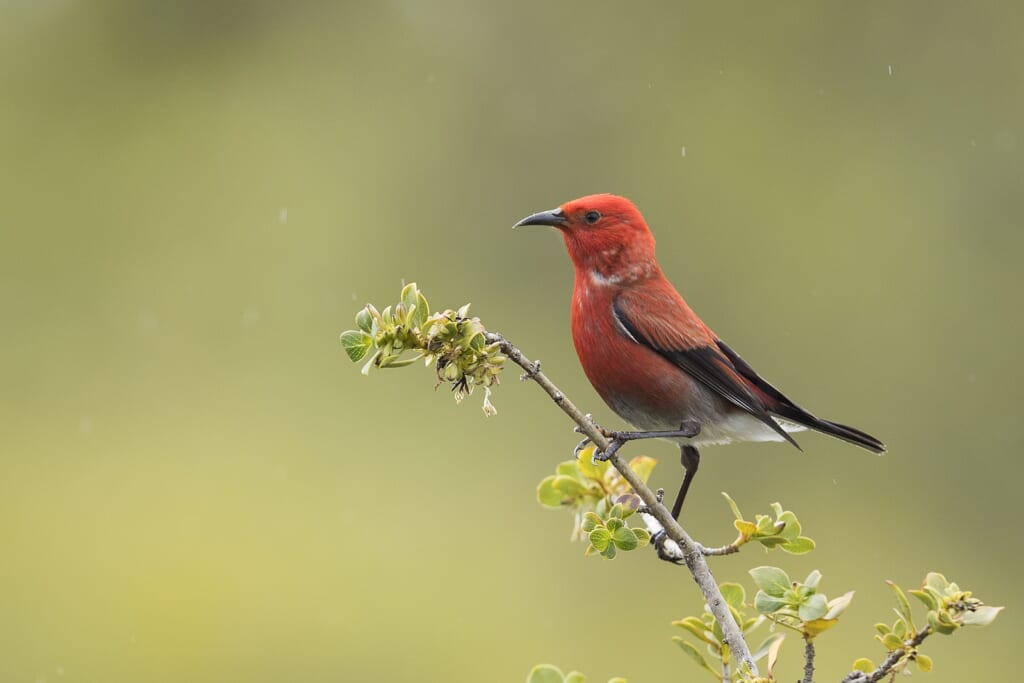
(592, 217)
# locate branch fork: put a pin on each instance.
(689, 551)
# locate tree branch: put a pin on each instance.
(670, 550)
(892, 660)
(692, 552)
(808, 661)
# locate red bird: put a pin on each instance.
(649, 356)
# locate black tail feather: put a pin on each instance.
(779, 405)
(840, 431)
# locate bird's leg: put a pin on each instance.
(658, 540)
(687, 430)
(690, 459)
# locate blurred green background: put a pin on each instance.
(197, 485)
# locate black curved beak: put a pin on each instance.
(555, 218)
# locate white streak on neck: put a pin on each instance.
(604, 280)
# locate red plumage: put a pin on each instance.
(648, 355)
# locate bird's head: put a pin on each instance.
(605, 234)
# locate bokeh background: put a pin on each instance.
(197, 485)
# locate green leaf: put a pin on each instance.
(696, 656)
(545, 673)
(575, 677)
(643, 466)
(903, 605)
(600, 538)
(364, 321)
(356, 344)
(939, 624)
(927, 598)
(422, 311)
(408, 296)
(765, 525)
(924, 662)
(698, 629)
(864, 664)
(734, 594)
(369, 363)
(768, 604)
(394, 362)
(813, 608)
(589, 468)
(569, 486)
(771, 580)
(591, 521)
(771, 541)
(836, 606)
(643, 537)
(813, 579)
(981, 616)
(792, 528)
(773, 655)
(733, 506)
(548, 495)
(892, 642)
(625, 538)
(936, 581)
(568, 468)
(609, 552)
(798, 546)
(617, 679)
(766, 645)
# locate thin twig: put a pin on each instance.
(672, 552)
(723, 550)
(692, 554)
(808, 661)
(892, 660)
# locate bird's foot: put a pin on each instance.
(614, 445)
(579, 447)
(667, 549)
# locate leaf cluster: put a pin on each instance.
(949, 609)
(794, 604)
(709, 634)
(455, 343)
(601, 501)
(782, 532)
